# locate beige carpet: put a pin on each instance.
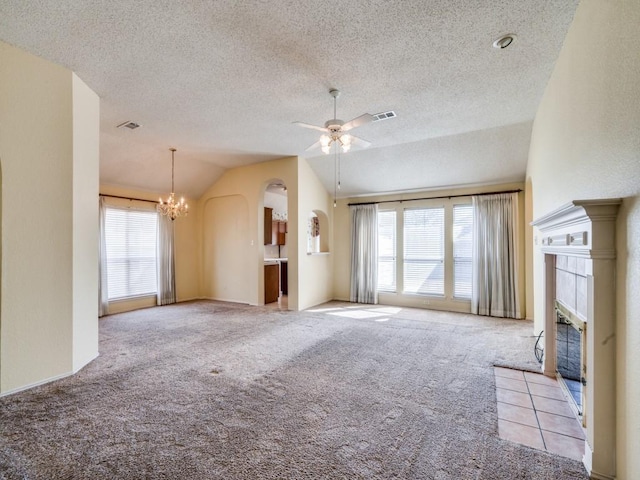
(207, 390)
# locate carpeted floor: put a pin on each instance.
(207, 390)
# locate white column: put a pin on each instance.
(600, 408)
(549, 361)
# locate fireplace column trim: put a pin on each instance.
(549, 364)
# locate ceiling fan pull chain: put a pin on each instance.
(339, 158)
(335, 180)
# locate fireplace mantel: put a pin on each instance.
(586, 229)
(582, 228)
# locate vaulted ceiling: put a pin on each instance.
(223, 82)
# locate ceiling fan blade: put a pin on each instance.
(357, 122)
(359, 142)
(314, 127)
(314, 146)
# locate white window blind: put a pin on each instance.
(131, 252)
(387, 251)
(462, 250)
(424, 251)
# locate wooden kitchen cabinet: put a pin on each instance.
(271, 283)
(274, 231)
(278, 231)
(268, 225)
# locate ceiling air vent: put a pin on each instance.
(128, 124)
(384, 115)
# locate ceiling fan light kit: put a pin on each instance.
(335, 135)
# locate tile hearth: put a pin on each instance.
(533, 411)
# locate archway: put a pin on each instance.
(225, 251)
(276, 211)
(317, 232)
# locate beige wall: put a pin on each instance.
(187, 254)
(247, 185)
(226, 251)
(186, 247)
(315, 272)
(342, 242)
(219, 246)
(47, 328)
(86, 164)
(585, 145)
(528, 253)
(238, 275)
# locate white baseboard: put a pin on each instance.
(86, 363)
(36, 384)
(225, 300)
(190, 299)
(48, 380)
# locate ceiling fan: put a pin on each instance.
(335, 131)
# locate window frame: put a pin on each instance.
(447, 301)
(140, 295)
(464, 259)
(424, 260)
(394, 258)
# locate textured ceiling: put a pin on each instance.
(223, 81)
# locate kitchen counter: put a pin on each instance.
(273, 261)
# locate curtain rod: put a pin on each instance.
(128, 198)
(432, 198)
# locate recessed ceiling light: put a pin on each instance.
(129, 124)
(504, 41)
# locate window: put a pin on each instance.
(424, 251)
(131, 252)
(462, 250)
(387, 251)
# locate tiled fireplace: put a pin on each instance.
(578, 245)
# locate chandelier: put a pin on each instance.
(171, 208)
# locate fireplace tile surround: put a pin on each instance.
(577, 246)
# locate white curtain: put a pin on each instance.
(166, 264)
(364, 253)
(495, 263)
(103, 291)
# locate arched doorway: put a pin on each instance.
(276, 260)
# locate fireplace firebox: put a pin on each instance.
(570, 333)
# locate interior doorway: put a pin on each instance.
(276, 261)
